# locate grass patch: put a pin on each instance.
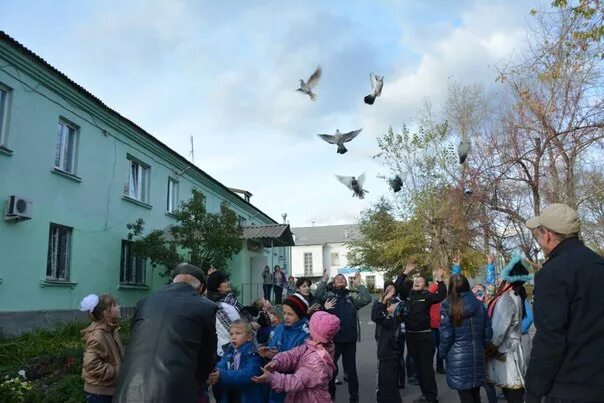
(52, 361)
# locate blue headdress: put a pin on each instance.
(515, 271)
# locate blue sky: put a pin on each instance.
(225, 73)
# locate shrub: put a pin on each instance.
(52, 362)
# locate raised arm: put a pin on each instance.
(322, 287)
(441, 290)
(456, 269)
(359, 293)
(400, 283)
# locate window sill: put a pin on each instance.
(132, 287)
(170, 214)
(55, 283)
(137, 202)
(67, 175)
(6, 151)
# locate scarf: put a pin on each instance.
(230, 299)
(492, 304)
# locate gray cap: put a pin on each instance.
(557, 217)
(187, 268)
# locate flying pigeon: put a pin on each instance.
(356, 185)
(306, 87)
(463, 149)
(340, 139)
(396, 183)
(377, 83)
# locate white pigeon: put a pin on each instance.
(377, 83)
(306, 87)
(354, 184)
(340, 139)
(463, 149)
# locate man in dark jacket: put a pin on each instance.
(417, 326)
(345, 303)
(566, 362)
(172, 347)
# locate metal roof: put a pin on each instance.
(326, 234)
(4, 37)
(269, 235)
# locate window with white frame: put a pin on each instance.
(308, 263)
(59, 252)
(172, 202)
(66, 147)
(242, 221)
(132, 267)
(3, 114)
(138, 180)
(335, 259)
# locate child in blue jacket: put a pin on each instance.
(237, 366)
(289, 334)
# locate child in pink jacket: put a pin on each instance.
(308, 367)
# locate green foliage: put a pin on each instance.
(387, 243)
(588, 18)
(205, 238)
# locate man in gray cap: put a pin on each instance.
(567, 359)
(172, 346)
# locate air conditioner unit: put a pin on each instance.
(18, 208)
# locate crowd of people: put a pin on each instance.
(194, 337)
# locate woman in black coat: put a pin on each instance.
(465, 330)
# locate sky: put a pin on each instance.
(225, 72)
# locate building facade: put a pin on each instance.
(321, 248)
(73, 174)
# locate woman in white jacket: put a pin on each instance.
(507, 310)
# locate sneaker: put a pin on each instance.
(338, 382)
(412, 381)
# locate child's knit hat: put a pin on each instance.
(324, 326)
(298, 304)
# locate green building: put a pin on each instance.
(73, 173)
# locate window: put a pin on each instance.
(335, 259)
(308, 264)
(172, 195)
(132, 268)
(3, 114)
(59, 253)
(138, 180)
(242, 221)
(65, 153)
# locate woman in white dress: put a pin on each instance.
(507, 310)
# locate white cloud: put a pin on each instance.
(227, 75)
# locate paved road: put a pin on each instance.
(367, 369)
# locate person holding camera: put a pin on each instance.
(388, 317)
(418, 301)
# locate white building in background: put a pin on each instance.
(326, 247)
